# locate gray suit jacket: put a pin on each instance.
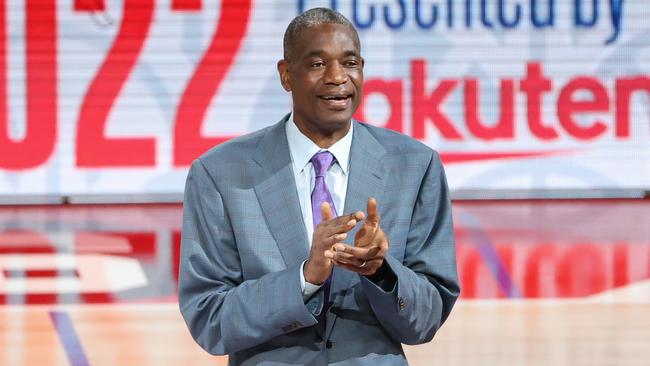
(244, 241)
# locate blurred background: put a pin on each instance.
(540, 110)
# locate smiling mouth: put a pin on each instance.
(335, 97)
(336, 101)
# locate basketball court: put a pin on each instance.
(559, 282)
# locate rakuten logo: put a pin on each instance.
(580, 95)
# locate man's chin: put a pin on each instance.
(336, 120)
(333, 125)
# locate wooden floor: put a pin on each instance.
(543, 284)
(504, 332)
(540, 333)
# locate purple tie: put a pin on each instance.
(322, 161)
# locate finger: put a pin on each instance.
(350, 260)
(326, 211)
(364, 253)
(343, 257)
(373, 212)
(342, 224)
(334, 254)
(369, 269)
(334, 239)
(356, 216)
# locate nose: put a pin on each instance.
(335, 74)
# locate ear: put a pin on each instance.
(283, 70)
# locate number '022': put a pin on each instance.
(95, 149)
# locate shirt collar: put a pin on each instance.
(302, 148)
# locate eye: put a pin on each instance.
(351, 63)
(317, 64)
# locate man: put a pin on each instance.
(270, 274)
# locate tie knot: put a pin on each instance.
(322, 161)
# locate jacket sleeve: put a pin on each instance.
(427, 281)
(224, 313)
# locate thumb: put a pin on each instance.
(373, 212)
(326, 211)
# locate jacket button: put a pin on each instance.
(328, 344)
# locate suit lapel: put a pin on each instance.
(278, 197)
(365, 180)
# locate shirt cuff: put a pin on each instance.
(308, 289)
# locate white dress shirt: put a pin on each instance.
(302, 149)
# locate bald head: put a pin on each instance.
(311, 18)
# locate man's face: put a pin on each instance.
(325, 76)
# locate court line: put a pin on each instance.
(69, 338)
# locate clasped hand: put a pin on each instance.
(328, 250)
